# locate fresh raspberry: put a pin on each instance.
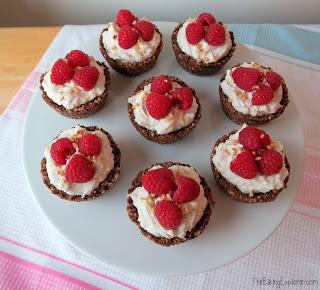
(206, 18)
(183, 97)
(124, 17)
(244, 165)
(194, 32)
(253, 138)
(86, 77)
(145, 29)
(158, 106)
(158, 181)
(246, 78)
(79, 169)
(77, 58)
(60, 150)
(168, 214)
(89, 144)
(264, 137)
(273, 79)
(262, 95)
(161, 85)
(187, 190)
(215, 34)
(61, 72)
(127, 37)
(249, 138)
(270, 162)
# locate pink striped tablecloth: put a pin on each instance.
(34, 255)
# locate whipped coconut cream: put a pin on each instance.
(192, 211)
(175, 120)
(203, 51)
(103, 164)
(227, 151)
(70, 95)
(137, 53)
(241, 100)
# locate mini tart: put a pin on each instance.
(85, 109)
(193, 66)
(195, 232)
(172, 136)
(232, 190)
(105, 185)
(131, 68)
(241, 118)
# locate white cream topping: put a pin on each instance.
(103, 164)
(174, 121)
(70, 95)
(137, 53)
(241, 100)
(203, 51)
(192, 211)
(227, 151)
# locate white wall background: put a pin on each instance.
(59, 12)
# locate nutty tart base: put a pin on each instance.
(233, 191)
(169, 137)
(195, 232)
(104, 185)
(83, 110)
(131, 68)
(193, 66)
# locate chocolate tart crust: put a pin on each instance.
(131, 68)
(172, 136)
(195, 232)
(241, 118)
(193, 66)
(83, 110)
(233, 191)
(104, 185)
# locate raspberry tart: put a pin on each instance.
(249, 165)
(76, 86)
(202, 45)
(164, 109)
(170, 203)
(253, 94)
(81, 163)
(131, 45)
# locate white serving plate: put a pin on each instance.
(102, 229)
